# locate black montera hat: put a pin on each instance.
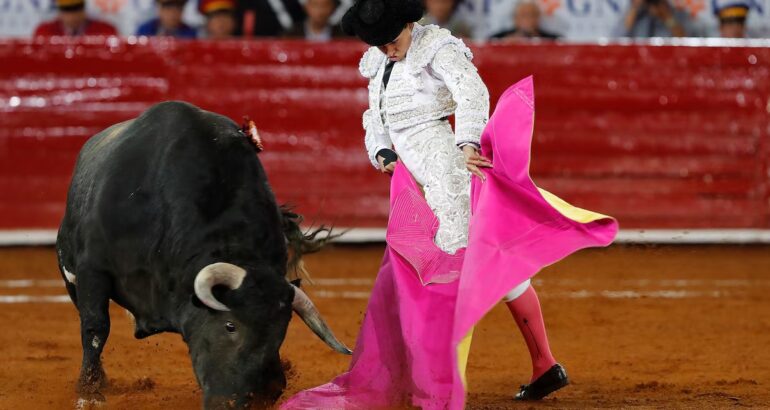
(71, 5)
(378, 22)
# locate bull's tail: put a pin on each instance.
(300, 243)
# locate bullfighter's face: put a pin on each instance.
(235, 353)
(396, 50)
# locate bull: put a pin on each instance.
(171, 216)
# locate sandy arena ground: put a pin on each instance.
(636, 327)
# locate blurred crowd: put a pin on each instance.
(222, 19)
(312, 20)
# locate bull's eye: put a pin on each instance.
(230, 327)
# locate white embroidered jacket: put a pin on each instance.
(435, 80)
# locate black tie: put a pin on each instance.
(386, 75)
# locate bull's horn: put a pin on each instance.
(312, 318)
(217, 274)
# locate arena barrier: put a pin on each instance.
(669, 139)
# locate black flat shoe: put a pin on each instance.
(554, 379)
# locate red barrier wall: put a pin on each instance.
(658, 136)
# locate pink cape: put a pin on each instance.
(415, 337)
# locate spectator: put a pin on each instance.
(442, 13)
(316, 26)
(220, 18)
(526, 23)
(169, 21)
(653, 18)
(260, 18)
(732, 17)
(72, 20)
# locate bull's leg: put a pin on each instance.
(93, 294)
(69, 282)
(72, 290)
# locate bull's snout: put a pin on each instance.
(247, 401)
(261, 397)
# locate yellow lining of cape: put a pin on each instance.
(463, 351)
(572, 212)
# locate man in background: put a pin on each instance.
(653, 18)
(72, 20)
(526, 23)
(316, 26)
(443, 14)
(267, 18)
(732, 16)
(220, 18)
(169, 21)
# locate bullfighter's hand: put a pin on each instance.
(474, 161)
(386, 169)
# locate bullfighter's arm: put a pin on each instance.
(375, 141)
(459, 74)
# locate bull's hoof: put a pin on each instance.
(91, 381)
(91, 402)
(554, 379)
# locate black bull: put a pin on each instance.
(171, 216)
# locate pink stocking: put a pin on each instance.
(527, 314)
